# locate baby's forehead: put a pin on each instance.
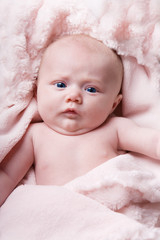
(85, 43)
(81, 43)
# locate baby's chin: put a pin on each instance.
(70, 131)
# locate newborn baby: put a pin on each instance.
(78, 88)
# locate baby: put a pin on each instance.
(78, 88)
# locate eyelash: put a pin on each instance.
(92, 89)
(61, 85)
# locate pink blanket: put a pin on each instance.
(119, 200)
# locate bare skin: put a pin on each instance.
(75, 99)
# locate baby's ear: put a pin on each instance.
(116, 102)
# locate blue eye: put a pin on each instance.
(91, 89)
(60, 85)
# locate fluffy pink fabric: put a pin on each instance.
(120, 199)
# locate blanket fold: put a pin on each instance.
(56, 213)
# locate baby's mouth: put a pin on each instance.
(71, 113)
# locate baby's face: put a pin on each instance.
(76, 90)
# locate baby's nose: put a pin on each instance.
(74, 96)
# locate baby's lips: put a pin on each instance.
(71, 113)
(71, 110)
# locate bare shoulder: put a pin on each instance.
(36, 128)
(27, 139)
(123, 127)
(121, 123)
(40, 133)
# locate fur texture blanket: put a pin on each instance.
(119, 200)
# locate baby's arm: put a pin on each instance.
(138, 139)
(15, 165)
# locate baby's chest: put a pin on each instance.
(61, 159)
(78, 151)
